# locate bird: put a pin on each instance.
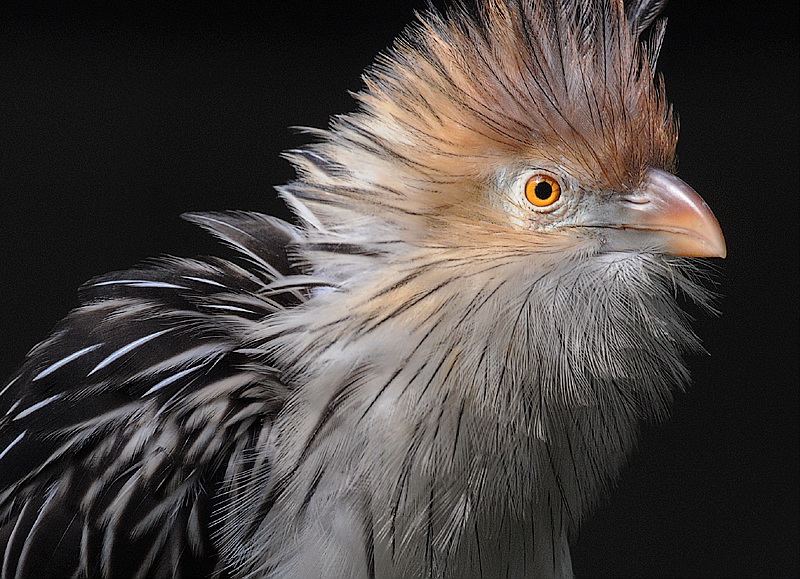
(435, 371)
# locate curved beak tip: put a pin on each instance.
(682, 219)
(716, 243)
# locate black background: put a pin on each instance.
(114, 121)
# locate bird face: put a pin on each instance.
(660, 215)
(479, 127)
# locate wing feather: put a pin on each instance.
(122, 430)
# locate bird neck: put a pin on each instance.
(528, 365)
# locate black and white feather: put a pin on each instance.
(124, 429)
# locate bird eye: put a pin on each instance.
(542, 190)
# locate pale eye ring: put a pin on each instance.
(542, 190)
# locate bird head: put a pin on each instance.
(541, 123)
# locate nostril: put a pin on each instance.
(636, 199)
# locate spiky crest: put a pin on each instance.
(462, 95)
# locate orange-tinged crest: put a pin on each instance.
(507, 84)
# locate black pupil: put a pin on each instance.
(543, 190)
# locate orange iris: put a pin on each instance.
(542, 190)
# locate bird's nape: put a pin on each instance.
(436, 373)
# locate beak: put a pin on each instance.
(664, 212)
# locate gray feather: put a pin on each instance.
(642, 13)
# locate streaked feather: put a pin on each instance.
(643, 13)
(161, 379)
